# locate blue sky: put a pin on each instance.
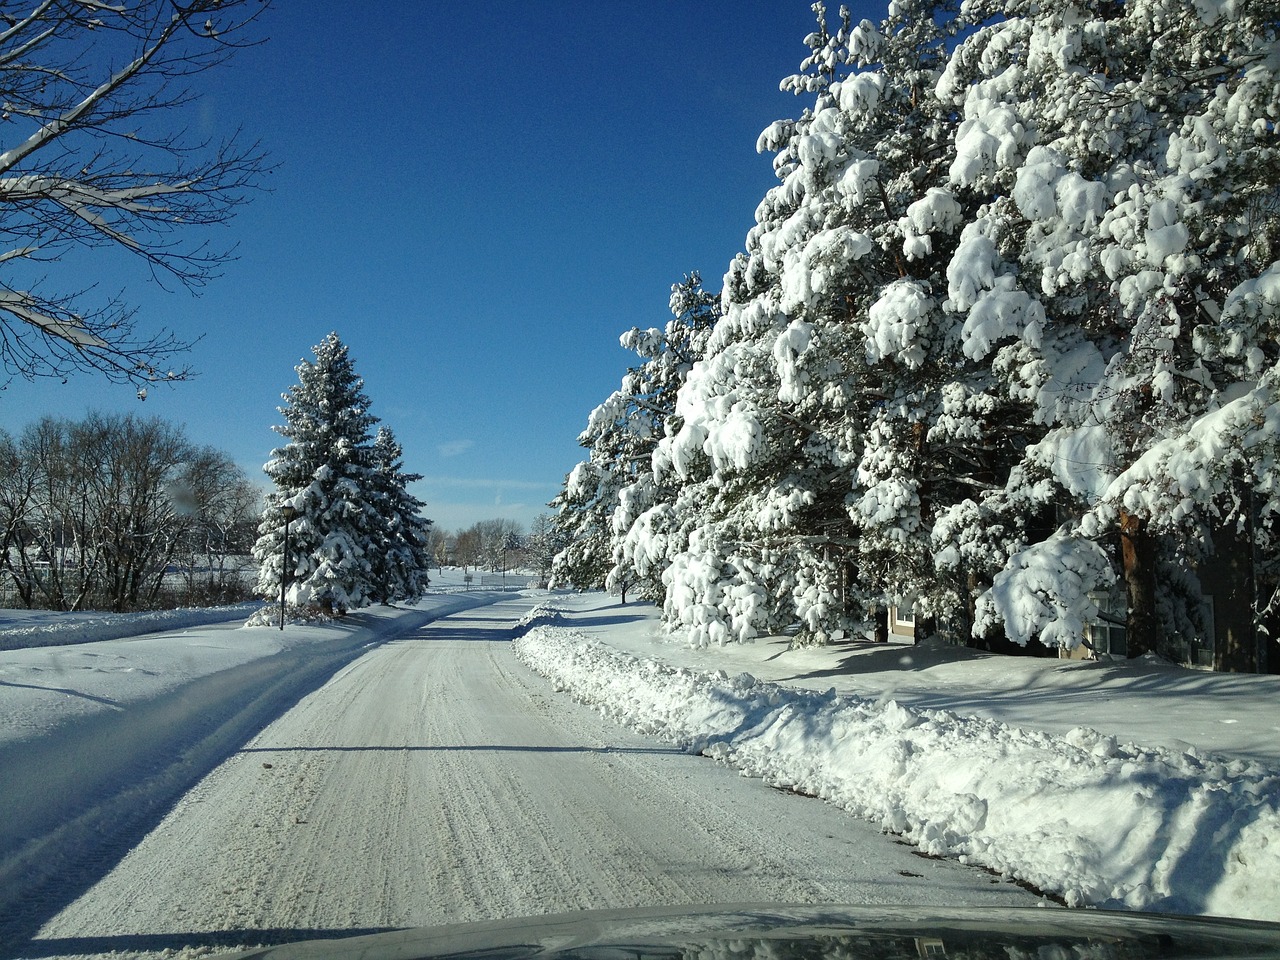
(479, 199)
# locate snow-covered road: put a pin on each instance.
(437, 779)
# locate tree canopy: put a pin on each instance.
(1001, 345)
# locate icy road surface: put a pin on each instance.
(437, 779)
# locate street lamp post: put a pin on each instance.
(288, 511)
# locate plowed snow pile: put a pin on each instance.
(1081, 815)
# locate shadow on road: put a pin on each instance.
(462, 634)
(480, 747)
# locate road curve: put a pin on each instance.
(436, 779)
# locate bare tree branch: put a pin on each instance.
(90, 157)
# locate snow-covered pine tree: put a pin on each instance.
(327, 474)
(940, 430)
(583, 520)
(542, 544)
(401, 555)
(1123, 279)
(605, 495)
(642, 522)
(759, 455)
(835, 418)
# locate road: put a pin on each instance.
(436, 779)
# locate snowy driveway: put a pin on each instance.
(437, 779)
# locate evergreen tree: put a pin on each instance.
(641, 523)
(327, 473)
(835, 418)
(1127, 153)
(1005, 331)
(401, 554)
(543, 544)
(605, 496)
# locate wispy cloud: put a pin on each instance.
(455, 447)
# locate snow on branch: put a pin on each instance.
(1045, 592)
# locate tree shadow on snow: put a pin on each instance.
(603, 621)
(106, 701)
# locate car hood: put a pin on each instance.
(784, 932)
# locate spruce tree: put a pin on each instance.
(327, 473)
(401, 553)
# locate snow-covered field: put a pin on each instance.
(48, 628)
(1131, 785)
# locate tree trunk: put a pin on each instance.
(1137, 551)
(1269, 622)
(1235, 646)
(970, 610)
(881, 614)
(924, 628)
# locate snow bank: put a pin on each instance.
(1082, 816)
(542, 614)
(20, 629)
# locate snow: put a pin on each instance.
(895, 323)
(1136, 785)
(433, 778)
(47, 628)
(936, 211)
(1176, 474)
(59, 667)
(1127, 785)
(990, 138)
(1046, 592)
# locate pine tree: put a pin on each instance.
(603, 512)
(401, 554)
(1129, 155)
(756, 512)
(328, 474)
(827, 427)
(641, 523)
(1005, 329)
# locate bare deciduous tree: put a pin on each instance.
(92, 156)
(99, 512)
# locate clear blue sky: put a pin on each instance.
(479, 198)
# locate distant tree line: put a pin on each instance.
(118, 512)
(498, 545)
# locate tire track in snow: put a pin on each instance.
(436, 779)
